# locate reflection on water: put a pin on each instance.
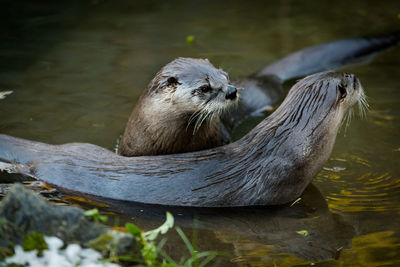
(77, 68)
(371, 191)
(306, 229)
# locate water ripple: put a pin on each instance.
(350, 185)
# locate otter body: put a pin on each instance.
(168, 133)
(270, 165)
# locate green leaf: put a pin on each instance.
(133, 230)
(208, 259)
(103, 218)
(161, 244)
(92, 212)
(302, 232)
(127, 258)
(168, 224)
(209, 254)
(34, 241)
(101, 243)
(189, 39)
(95, 215)
(185, 240)
(168, 258)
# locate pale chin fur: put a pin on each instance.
(362, 104)
(202, 111)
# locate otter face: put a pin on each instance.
(196, 87)
(342, 91)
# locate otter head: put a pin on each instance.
(319, 102)
(316, 105)
(305, 126)
(196, 88)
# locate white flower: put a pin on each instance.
(73, 255)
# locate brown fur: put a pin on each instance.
(163, 121)
(145, 136)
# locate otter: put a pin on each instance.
(270, 165)
(190, 105)
(180, 110)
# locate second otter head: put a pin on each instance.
(196, 87)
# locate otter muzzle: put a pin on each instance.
(231, 93)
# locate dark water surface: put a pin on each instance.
(77, 68)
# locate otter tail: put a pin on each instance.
(18, 155)
(74, 167)
(328, 56)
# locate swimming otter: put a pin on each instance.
(270, 165)
(180, 110)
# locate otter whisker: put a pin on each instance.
(193, 117)
(200, 121)
(363, 105)
(209, 113)
(215, 115)
(348, 119)
(196, 120)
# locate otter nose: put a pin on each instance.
(231, 92)
(352, 79)
(355, 79)
(356, 83)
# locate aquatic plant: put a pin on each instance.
(155, 256)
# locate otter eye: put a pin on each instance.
(205, 89)
(342, 92)
(172, 81)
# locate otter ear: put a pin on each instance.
(172, 81)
